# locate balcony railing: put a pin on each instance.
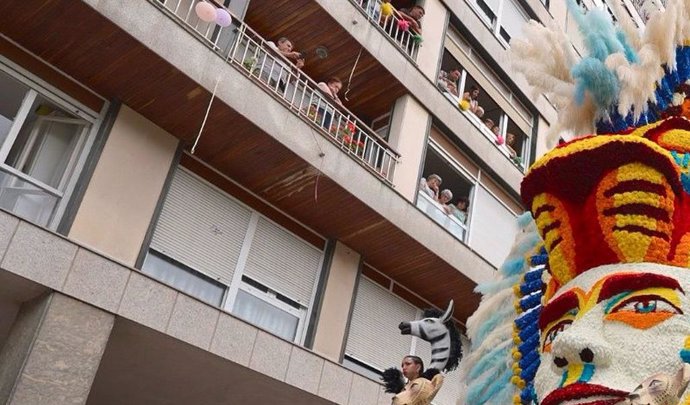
(436, 212)
(247, 51)
(509, 153)
(406, 40)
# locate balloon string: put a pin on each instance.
(349, 80)
(208, 109)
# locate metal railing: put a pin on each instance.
(246, 50)
(406, 39)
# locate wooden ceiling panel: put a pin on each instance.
(373, 89)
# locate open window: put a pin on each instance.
(41, 142)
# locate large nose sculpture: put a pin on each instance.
(405, 328)
(579, 351)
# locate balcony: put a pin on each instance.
(404, 38)
(435, 211)
(246, 50)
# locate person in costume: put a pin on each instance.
(415, 385)
(418, 390)
(592, 306)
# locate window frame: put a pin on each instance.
(38, 87)
(237, 283)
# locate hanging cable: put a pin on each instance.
(349, 80)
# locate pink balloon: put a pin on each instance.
(205, 11)
(403, 25)
(223, 18)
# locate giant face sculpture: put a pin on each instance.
(609, 329)
(614, 215)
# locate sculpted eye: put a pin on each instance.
(554, 331)
(646, 305)
(427, 320)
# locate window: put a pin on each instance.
(490, 221)
(449, 215)
(183, 278)
(42, 142)
(504, 17)
(486, 112)
(214, 248)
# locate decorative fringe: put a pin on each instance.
(486, 367)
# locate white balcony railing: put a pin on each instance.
(246, 50)
(517, 160)
(407, 40)
(438, 214)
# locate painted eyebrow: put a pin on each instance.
(557, 308)
(628, 282)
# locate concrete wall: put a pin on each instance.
(337, 301)
(433, 29)
(407, 135)
(124, 190)
(53, 352)
(59, 343)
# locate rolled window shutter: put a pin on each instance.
(283, 262)
(374, 336)
(201, 227)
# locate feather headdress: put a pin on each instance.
(626, 79)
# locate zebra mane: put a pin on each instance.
(455, 343)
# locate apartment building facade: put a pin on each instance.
(186, 217)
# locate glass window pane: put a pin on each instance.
(48, 140)
(26, 200)
(264, 315)
(182, 278)
(13, 92)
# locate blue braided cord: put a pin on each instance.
(527, 374)
(528, 318)
(528, 332)
(530, 287)
(538, 260)
(529, 344)
(534, 274)
(528, 394)
(530, 301)
(529, 359)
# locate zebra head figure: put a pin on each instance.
(438, 329)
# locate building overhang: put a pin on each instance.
(141, 57)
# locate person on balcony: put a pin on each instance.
(444, 198)
(459, 211)
(489, 124)
(471, 97)
(324, 111)
(448, 82)
(331, 88)
(280, 70)
(412, 15)
(511, 143)
(430, 185)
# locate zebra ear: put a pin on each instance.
(449, 312)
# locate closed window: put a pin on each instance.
(212, 247)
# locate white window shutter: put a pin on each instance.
(283, 262)
(374, 336)
(201, 227)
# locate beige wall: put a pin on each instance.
(124, 190)
(407, 135)
(335, 310)
(433, 29)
